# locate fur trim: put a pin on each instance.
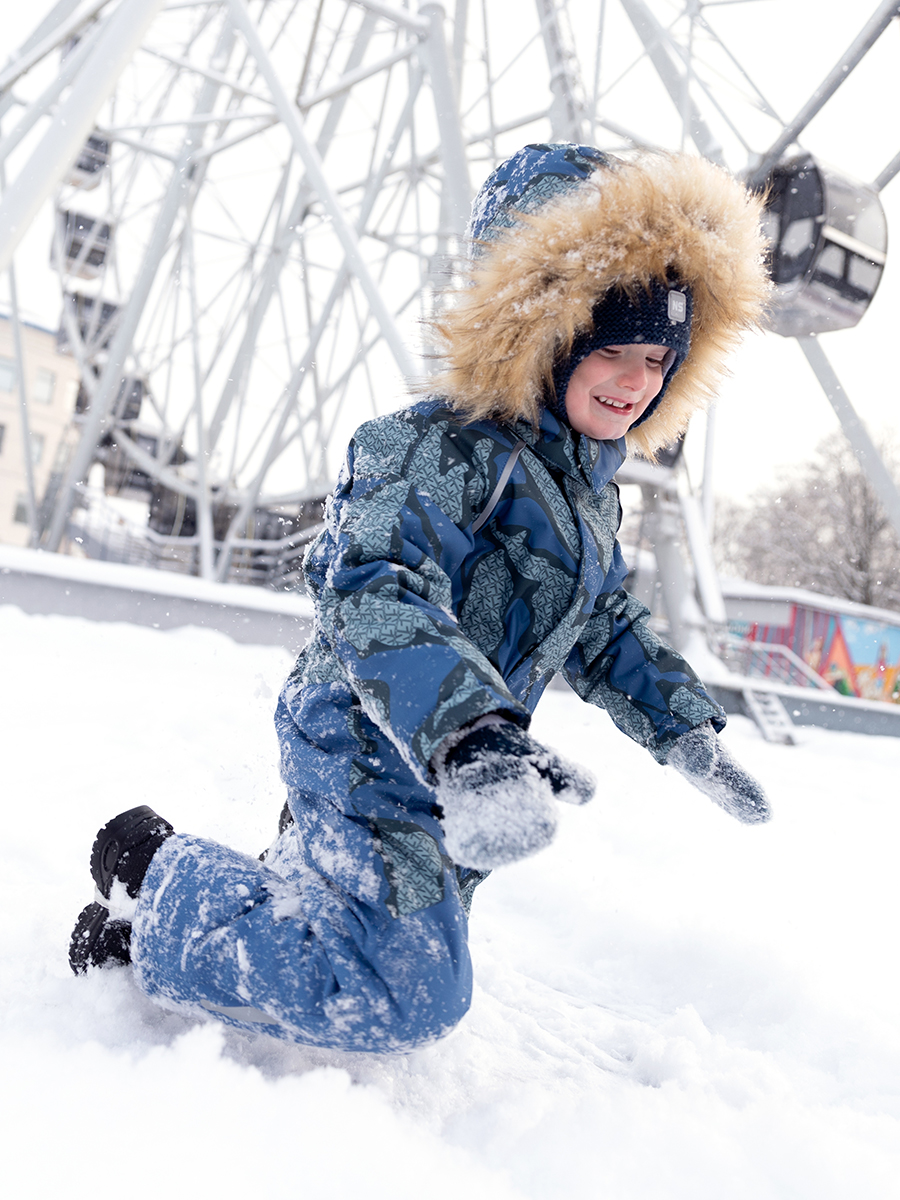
(534, 288)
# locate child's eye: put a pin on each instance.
(655, 362)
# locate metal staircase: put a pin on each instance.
(770, 715)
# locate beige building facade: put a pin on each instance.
(51, 387)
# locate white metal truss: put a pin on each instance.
(285, 187)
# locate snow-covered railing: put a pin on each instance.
(269, 562)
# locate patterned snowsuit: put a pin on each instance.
(354, 932)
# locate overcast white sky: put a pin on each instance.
(772, 411)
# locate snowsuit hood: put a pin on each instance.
(555, 230)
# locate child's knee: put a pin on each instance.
(433, 1011)
(427, 974)
(379, 1013)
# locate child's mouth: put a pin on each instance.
(619, 406)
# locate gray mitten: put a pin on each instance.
(702, 759)
(496, 788)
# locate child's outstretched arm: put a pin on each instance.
(653, 695)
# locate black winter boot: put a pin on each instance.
(98, 941)
(121, 852)
(123, 849)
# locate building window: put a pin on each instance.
(20, 516)
(37, 448)
(44, 386)
(7, 374)
(70, 395)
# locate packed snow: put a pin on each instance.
(668, 1004)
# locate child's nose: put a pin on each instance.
(633, 375)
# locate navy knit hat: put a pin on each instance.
(659, 315)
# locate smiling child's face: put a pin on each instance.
(612, 388)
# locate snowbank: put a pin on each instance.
(668, 1005)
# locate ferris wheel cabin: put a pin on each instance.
(828, 237)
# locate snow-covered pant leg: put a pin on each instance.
(352, 935)
(299, 956)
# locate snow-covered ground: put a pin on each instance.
(668, 1004)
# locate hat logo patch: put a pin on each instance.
(677, 307)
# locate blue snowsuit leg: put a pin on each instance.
(353, 933)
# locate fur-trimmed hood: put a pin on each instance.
(532, 287)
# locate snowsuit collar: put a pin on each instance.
(580, 457)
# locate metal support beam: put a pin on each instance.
(316, 173)
(400, 16)
(457, 189)
(23, 410)
(871, 32)
(56, 34)
(707, 494)
(351, 78)
(181, 181)
(44, 103)
(460, 24)
(69, 129)
(857, 435)
(687, 624)
(286, 403)
(885, 177)
(708, 588)
(568, 112)
(151, 466)
(236, 381)
(673, 79)
(276, 445)
(60, 11)
(206, 565)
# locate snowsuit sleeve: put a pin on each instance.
(621, 665)
(383, 575)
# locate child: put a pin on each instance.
(470, 554)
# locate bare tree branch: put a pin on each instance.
(823, 529)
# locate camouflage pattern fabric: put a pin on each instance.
(353, 934)
(535, 174)
(432, 627)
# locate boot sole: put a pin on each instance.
(92, 929)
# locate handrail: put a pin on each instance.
(272, 562)
(746, 651)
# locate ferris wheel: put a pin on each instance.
(258, 205)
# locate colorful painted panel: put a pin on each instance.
(857, 656)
